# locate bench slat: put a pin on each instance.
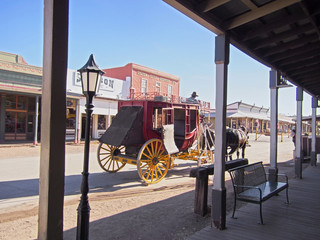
(268, 189)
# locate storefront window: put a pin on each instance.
(32, 104)
(30, 123)
(10, 101)
(22, 103)
(19, 117)
(10, 122)
(71, 114)
(102, 123)
(21, 122)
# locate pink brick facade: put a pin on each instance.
(146, 80)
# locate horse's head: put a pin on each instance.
(244, 129)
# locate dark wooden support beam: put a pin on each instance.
(281, 36)
(311, 75)
(301, 41)
(298, 57)
(272, 26)
(208, 5)
(302, 64)
(309, 81)
(258, 13)
(295, 52)
(249, 4)
(303, 71)
(312, 19)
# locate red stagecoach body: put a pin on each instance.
(183, 116)
(151, 134)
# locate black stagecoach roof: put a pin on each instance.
(282, 34)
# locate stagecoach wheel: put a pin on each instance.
(153, 161)
(106, 159)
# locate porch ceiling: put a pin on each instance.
(282, 34)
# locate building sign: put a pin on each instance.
(29, 69)
(77, 79)
(155, 77)
(106, 83)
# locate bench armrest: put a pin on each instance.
(280, 175)
(248, 187)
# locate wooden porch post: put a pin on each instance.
(53, 117)
(314, 106)
(299, 157)
(218, 212)
(273, 170)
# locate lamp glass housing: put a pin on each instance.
(90, 77)
(90, 81)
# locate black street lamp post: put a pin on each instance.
(90, 78)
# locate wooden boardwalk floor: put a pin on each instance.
(298, 220)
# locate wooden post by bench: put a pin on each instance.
(201, 190)
(201, 195)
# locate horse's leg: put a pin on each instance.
(243, 149)
(233, 149)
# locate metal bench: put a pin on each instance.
(250, 184)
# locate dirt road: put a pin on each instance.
(160, 211)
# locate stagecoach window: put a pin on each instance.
(157, 118)
(193, 119)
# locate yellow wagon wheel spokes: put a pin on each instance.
(106, 160)
(153, 162)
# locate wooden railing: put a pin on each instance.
(156, 96)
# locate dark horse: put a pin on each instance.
(236, 139)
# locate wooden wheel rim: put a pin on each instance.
(105, 157)
(153, 162)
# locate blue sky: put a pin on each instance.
(147, 32)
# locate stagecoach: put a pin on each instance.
(151, 135)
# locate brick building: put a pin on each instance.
(146, 82)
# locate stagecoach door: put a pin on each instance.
(167, 116)
(168, 130)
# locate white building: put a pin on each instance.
(105, 105)
(254, 118)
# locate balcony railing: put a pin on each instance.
(156, 96)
